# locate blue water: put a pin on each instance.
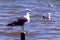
(36, 29)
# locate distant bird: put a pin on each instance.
(21, 20)
(50, 5)
(47, 17)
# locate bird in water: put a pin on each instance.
(50, 5)
(47, 18)
(21, 20)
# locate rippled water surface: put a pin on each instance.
(37, 28)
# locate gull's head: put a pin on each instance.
(49, 13)
(27, 10)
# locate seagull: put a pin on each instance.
(50, 5)
(47, 18)
(21, 20)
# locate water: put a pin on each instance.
(37, 29)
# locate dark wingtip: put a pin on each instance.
(10, 25)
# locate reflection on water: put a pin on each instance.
(37, 29)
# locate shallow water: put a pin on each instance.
(37, 29)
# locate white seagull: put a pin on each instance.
(47, 18)
(21, 20)
(50, 5)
